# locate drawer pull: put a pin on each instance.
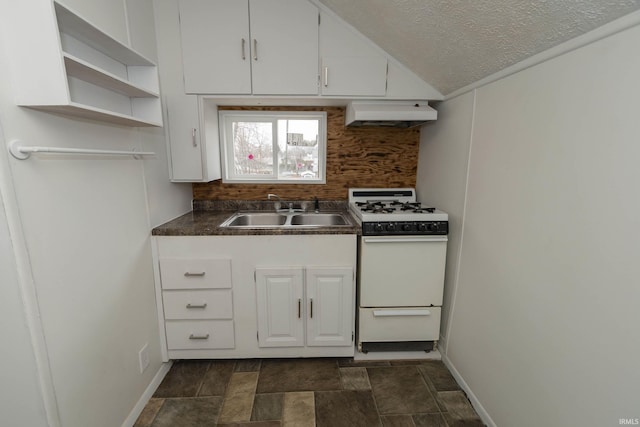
(187, 274)
(199, 337)
(389, 313)
(299, 307)
(189, 305)
(311, 308)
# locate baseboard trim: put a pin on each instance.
(148, 393)
(482, 413)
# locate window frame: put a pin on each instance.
(226, 119)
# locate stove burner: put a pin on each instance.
(424, 210)
(374, 207)
(369, 204)
(377, 209)
(407, 206)
(414, 207)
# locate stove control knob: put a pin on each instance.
(422, 227)
(391, 227)
(435, 226)
(406, 227)
(378, 227)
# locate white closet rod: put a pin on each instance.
(23, 152)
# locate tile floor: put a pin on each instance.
(308, 392)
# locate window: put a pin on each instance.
(273, 146)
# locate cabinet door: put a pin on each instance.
(215, 46)
(184, 138)
(351, 64)
(330, 306)
(354, 76)
(284, 43)
(280, 307)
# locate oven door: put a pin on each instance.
(402, 271)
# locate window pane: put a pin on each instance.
(298, 149)
(253, 149)
(273, 146)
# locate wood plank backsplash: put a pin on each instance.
(356, 157)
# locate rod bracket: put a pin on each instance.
(14, 149)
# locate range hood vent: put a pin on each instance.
(398, 114)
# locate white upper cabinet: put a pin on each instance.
(215, 46)
(185, 149)
(193, 147)
(63, 63)
(284, 47)
(403, 84)
(351, 65)
(261, 47)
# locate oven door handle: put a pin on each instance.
(403, 239)
(398, 313)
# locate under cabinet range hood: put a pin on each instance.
(399, 114)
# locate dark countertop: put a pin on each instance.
(207, 216)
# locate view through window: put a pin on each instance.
(273, 146)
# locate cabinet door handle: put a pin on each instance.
(243, 50)
(326, 76)
(255, 49)
(189, 305)
(299, 308)
(188, 274)
(198, 337)
(193, 137)
(311, 308)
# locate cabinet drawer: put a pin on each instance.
(179, 273)
(198, 304)
(399, 324)
(199, 334)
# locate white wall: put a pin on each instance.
(544, 323)
(442, 177)
(85, 223)
(21, 401)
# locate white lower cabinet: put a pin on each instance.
(305, 306)
(256, 296)
(197, 303)
(199, 334)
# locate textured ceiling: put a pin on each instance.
(453, 43)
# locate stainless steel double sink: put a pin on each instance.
(285, 220)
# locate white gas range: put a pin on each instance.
(401, 262)
(395, 211)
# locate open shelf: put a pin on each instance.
(64, 64)
(75, 26)
(83, 70)
(93, 113)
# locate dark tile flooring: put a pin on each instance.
(308, 392)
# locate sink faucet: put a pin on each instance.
(290, 205)
(275, 196)
(279, 202)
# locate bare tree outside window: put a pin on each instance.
(253, 148)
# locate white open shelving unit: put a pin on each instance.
(64, 64)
